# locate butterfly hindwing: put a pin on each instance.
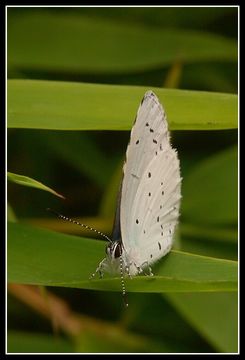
(156, 208)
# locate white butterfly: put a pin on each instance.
(149, 198)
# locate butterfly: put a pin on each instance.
(149, 197)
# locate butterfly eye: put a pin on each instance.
(118, 250)
(114, 249)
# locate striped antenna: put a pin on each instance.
(124, 294)
(78, 223)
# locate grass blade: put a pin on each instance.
(121, 48)
(43, 257)
(52, 105)
(27, 181)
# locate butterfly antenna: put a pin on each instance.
(123, 283)
(78, 223)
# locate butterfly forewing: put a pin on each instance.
(148, 131)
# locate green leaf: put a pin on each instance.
(220, 234)
(210, 192)
(42, 257)
(24, 342)
(190, 17)
(214, 315)
(154, 314)
(60, 105)
(220, 250)
(214, 241)
(69, 43)
(27, 181)
(217, 242)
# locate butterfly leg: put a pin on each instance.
(99, 269)
(146, 264)
(139, 269)
(150, 271)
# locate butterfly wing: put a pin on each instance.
(156, 207)
(151, 185)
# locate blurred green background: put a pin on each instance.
(157, 47)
